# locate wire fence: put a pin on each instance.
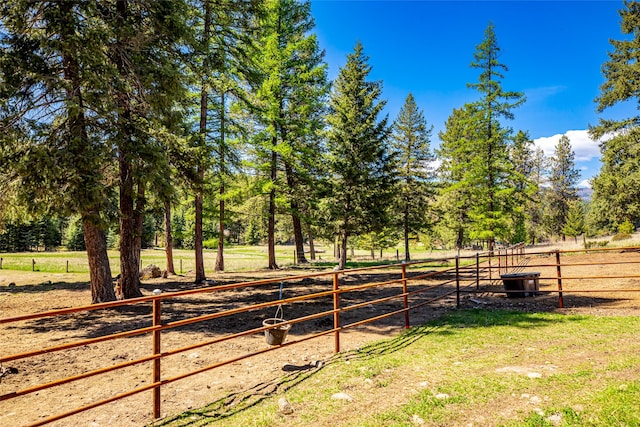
(328, 303)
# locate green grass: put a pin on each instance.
(473, 365)
(237, 258)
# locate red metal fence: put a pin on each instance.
(341, 299)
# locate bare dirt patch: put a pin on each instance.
(242, 382)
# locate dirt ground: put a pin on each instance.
(239, 383)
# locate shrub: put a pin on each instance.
(210, 243)
(626, 228)
(621, 236)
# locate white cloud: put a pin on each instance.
(584, 184)
(583, 146)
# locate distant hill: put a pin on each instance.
(585, 193)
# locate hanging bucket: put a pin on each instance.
(277, 332)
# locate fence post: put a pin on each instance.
(499, 262)
(406, 297)
(490, 254)
(336, 313)
(157, 321)
(560, 300)
(477, 271)
(33, 264)
(512, 262)
(457, 281)
(67, 266)
(0, 263)
(180, 265)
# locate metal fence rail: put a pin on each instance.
(409, 285)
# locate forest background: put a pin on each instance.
(199, 124)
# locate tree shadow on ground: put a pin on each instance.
(236, 402)
(45, 286)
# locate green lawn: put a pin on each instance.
(472, 367)
(237, 258)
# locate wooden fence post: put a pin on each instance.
(67, 266)
(560, 299)
(457, 281)
(33, 265)
(490, 254)
(0, 263)
(157, 321)
(406, 297)
(336, 313)
(477, 271)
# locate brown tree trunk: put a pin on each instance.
(295, 217)
(407, 256)
(94, 236)
(99, 268)
(129, 273)
(271, 231)
(343, 251)
(168, 238)
(220, 253)
(204, 95)
(312, 246)
(139, 221)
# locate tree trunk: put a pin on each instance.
(139, 221)
(99, 268)
(271, 232)
(295, 217)
(168, 238)
(204, 107)
(407, 256)
(129, 273)
(343, 251)
(312, 247)
(94, 236)
(197, 241)
(220, 253)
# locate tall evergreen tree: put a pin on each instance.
(616, 196)
(147, 37)
(492, 168)
(291, 97)
(563, 180)
(358, 163)
(523, 179)
(52, 69)
(411, 141)
(455, 153)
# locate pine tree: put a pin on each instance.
(147, 84)
(410, 140)
(52, 69)
(616, 188)
(358, 163)
(291, 97)
(574, 224)
(456, 153)
(492, 169)
(563, 180)
(524, 215)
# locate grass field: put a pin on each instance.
(472, 367)
(237, 258)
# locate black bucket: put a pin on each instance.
(277, 332)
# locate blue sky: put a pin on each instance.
(554, 51)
